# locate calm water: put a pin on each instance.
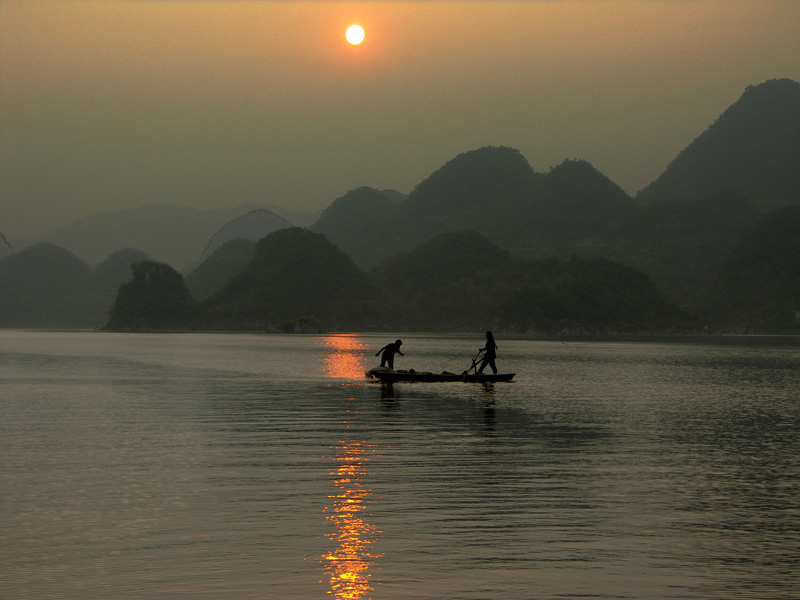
(248, 466)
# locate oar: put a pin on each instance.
(474, 363)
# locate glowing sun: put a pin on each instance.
(355, 34)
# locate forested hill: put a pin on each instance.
(758, 288)
(752, 149)
(491, 190)
(461, 281)
(296, 274)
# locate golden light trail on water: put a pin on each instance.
(348, 564)
(345, 358)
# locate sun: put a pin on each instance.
(355, 34)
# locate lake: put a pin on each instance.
(244, 466)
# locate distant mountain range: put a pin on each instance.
(176, 235)
(252, 226)
(710, 211)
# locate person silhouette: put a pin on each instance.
(490, 353)
(389, 350)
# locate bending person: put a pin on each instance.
(389, 350)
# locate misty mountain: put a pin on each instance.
(576, 204)
(252, 226)
(46, 286)
(116, 269)
(5, 247)
(298, 218)
(758, 287)
(212, 274)
(294, 274)
(752, 149)
(485, 190)
(395, 196)
(462, 281)
(171, 234)
(356, 222)
(493, 191)
(680, 243)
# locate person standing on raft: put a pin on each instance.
(490, 353)
(389, 350)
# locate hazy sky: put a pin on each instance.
(107, 105)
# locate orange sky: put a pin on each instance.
(106, 105)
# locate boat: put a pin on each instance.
(385, 375)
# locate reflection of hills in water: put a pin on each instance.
(349, 563)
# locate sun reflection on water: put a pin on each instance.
(345, 358)
(349, 562)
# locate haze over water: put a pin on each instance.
(250, 466)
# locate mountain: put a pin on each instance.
(491, 190)
(155, 299)
(355, 222)
(395, 196)
(116, 269)
(485, 190)
(5, 247)
(464, 282)
(298, 218)
(251, 226)
(212, 274)
(297, 275)
(172, 234)
(680, 243)
(45, 286)
(752, 149)
(576, 204)
(758, 287)
(452, 281)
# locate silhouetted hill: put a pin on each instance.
(752, 149)
(45, 286)
(5, 247)
(296, 274)
(589, 296)
(679, 243)
(252, 226)
(211, 275)
(461, 281)
(493, 191)
(116, 269)
(485, 190)
(356, 221)
(172, 234)
(155, 299)
(758, 288)
(452, 281)
(577, 204)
